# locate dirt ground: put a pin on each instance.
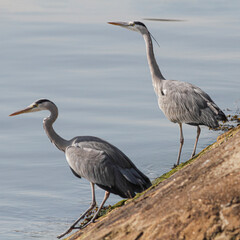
(199, 202)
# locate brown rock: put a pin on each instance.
(199, 202)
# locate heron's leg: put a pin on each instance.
(100, 207)
(93, 204)
(181, 143)
(195, 145)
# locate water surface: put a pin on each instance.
(98, 76)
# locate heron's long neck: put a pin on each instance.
(60, 143)
(154, 69)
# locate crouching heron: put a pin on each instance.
(92, 158)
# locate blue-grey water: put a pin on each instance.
(98, 76)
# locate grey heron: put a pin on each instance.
(92, 158)
(181, 102)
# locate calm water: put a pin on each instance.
(98, 76)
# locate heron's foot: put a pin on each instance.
(85, 225)
(74, 227)
(174, 166)
(66, 232)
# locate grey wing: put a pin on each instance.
(97, 167)
(88, 163)
(115, 156)
(186, 103)
(211, 104)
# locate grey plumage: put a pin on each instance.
(181, 102)
(105, 165)
(92, 158)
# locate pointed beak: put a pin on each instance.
(121, 24)
(26, 110)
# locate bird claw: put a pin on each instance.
(65, 233)
(85, 225)
(72, 228)
(174, 166)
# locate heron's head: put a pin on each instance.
(134, 26)
(39, 105)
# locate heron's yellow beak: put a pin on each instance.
(122, 24)
(26, 110)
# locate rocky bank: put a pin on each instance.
(200, 201)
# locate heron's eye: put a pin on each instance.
(35, 105)
(132, 24)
